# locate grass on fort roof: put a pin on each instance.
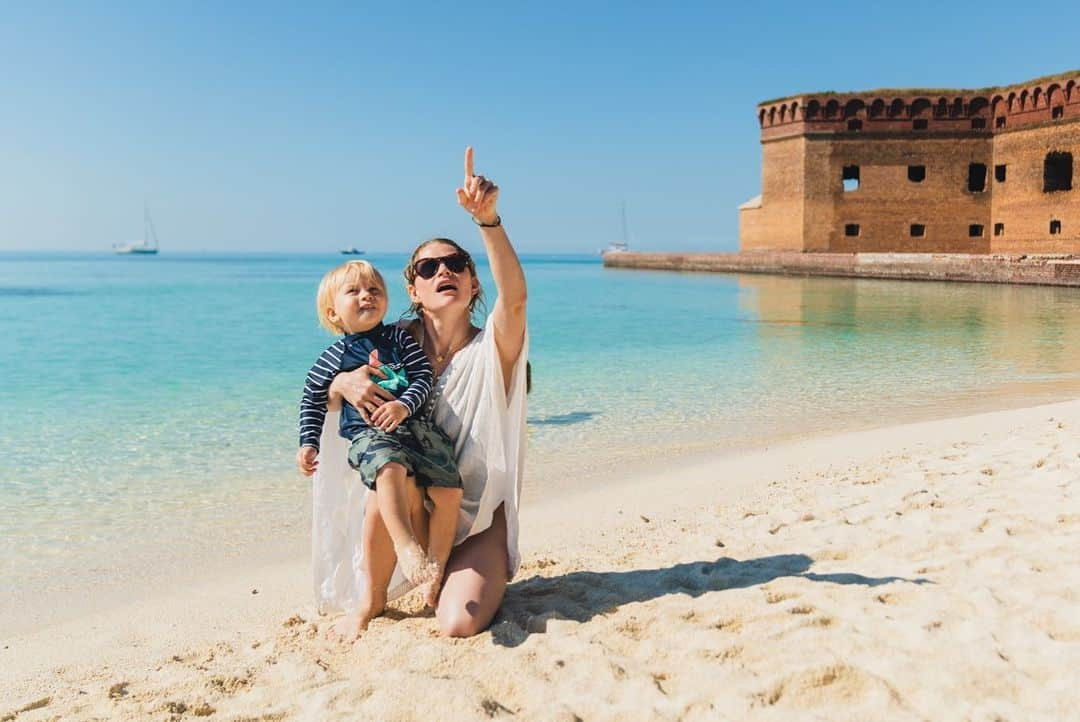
(928, 91)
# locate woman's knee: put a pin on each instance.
(459, 622)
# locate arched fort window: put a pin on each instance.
(812, 109)
(941, 109)
(896, 108)
(877, 108)
(1057, 172)
(831, 109)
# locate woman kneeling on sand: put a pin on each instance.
(478, 400)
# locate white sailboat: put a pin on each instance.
(143, 247)
(623, 245)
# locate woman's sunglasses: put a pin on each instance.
(428, 267)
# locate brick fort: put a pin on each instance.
(920, 171)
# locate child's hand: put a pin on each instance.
(305, 460)
(388, 416)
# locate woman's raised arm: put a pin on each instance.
(478, 196)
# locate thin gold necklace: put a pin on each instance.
(450, 351)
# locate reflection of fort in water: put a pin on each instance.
(1028, 329)
(972, 171)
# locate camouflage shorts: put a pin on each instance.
(418, 445)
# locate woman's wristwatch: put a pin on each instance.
(495, 224)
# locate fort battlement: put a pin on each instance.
(964, 171)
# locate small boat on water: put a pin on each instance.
(143, 247)
(351, 251)
(619, 246)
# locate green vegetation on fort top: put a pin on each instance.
(893, 92)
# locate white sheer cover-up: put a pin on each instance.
(486, 420)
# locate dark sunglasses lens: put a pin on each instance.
(427, 267)
(456, 263)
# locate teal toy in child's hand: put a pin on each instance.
(394, 381)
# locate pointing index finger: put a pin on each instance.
(468, 163)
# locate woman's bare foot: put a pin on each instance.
(351, 625)
(417, 567)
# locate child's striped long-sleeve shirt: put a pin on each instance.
(396, 350)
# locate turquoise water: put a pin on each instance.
(155, 398)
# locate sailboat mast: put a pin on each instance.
(148, 227)
(625, 231)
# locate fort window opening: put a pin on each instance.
(919, 124)
(975, 230)
(978, 123)
(851, 229)
(854, 125)
(1057, 172)
(918, 230)
(1058, 112)
(850, 177)
(999, 122)
(999, 173)
(916, 173)
(976, 177)
(1055, 228)
(999, 229)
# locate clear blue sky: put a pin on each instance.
(258, 126)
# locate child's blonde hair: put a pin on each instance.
(351, 272)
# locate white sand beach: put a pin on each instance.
(925, 571)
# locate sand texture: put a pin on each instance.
(925, 572)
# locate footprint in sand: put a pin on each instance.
(817, 687)
(729, 624)
(777, 597)
(801, 609)
(232, 684)
(723, 655)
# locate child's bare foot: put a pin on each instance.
(417, 567)
(433, 588)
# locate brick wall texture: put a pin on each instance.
(894, 138)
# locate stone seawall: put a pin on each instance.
(1049, 270)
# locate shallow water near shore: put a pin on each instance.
(149, 404)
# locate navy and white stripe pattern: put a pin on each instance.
(395, 347)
